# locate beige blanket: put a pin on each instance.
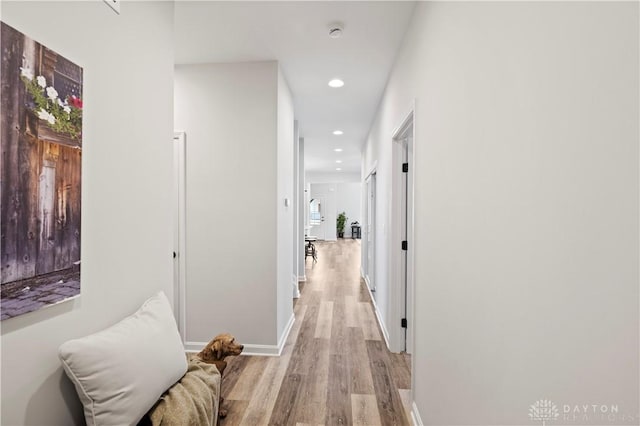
(191, 401)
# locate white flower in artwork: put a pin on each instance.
(43, 114)
(60, 102)
(52, 93)
(26, 73)
(42, 82)
(66, 109)
(46, 116)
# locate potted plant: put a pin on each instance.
(340, 221)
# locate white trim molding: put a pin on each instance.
(302, 279)
(179, 143)
(368, 284)
(401, 289)
(251, 349)
(194, 347)
(294, 284)
(372, 170)
(285, 334)
(415, 415)
(385, 333)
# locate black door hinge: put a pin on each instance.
(403, 323)
(404, 245)
(405, 167)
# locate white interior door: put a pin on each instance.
(405, 237)
(179, 229)
(317, 211)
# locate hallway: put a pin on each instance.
(335, 368)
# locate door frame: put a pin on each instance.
(179, 230)
(367, 265)
(401, 302)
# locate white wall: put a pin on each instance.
(126, 191)
(348, 201)
(526, 206)
(238, 120)
(332, 177)
(285, 168)
(338, 197)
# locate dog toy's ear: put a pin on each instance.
(217, 347)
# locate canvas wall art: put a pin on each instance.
(40, 175)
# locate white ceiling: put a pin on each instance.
(296, 34)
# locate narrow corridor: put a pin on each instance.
(335, 368)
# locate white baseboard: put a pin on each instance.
(194, 347)
(302, 279)
(294, 284)
(415, 415)
(251, 349)
(285, 334)
(385, 333)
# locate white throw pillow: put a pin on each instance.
(120, 372)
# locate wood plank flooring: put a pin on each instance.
(335, 368)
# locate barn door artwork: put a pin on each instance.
(40, 175)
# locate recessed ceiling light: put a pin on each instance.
(338, 168)
(338, 161)
(338, 150)
(336, 83)
(338, 132)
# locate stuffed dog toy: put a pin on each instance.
(222, 346)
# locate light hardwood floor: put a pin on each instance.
(335, 368)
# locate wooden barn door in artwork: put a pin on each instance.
(46, 202)
(41, 169)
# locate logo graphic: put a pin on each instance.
(543, 410)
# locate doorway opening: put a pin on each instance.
(179, 229)
(369, 257)
(317, 208)
(402, 236)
